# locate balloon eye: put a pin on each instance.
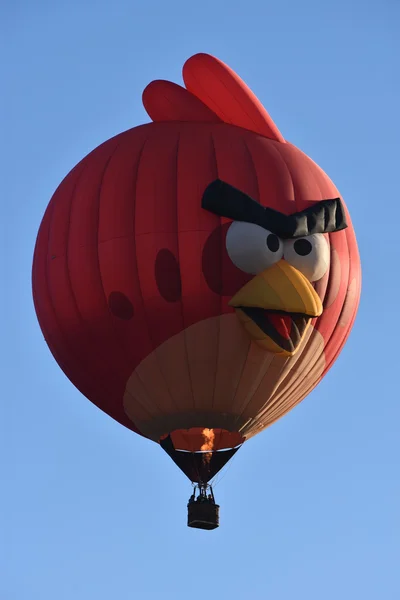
(310, 255)
(273, 242)
(302, 247)
(252, 248)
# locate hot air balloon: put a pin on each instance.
(195, 277)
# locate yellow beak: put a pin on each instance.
(276, 307)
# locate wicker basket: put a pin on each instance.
(203, 515)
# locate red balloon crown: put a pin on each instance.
(213, 94)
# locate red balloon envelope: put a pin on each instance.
(197, 276)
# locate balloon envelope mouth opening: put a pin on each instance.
(199, 467)
(203, 439)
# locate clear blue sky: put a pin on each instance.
(311, 507)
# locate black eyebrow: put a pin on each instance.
(325, 216)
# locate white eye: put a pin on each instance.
(252, 248)
(310, 255)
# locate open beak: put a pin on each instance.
(276, 308)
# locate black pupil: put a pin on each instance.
(302, 247)
(273, 242)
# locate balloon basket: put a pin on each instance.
(203, 512)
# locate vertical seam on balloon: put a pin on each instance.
(126, 390)
(276, 150)
(177, 198)
(111, 323)
(85, 323)
(340, 347)
(136, 175)
(335, 356)
(138, 161)
(101, 279)
(253, 167)
(295, 383)
(85, 381)
(285, 393)
(351, 322)
(214, 157)
(286, 403)
(162, 412)
(67, 271)
(45, 332)
(280, 396)
(282, 373)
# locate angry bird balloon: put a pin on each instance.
(196, 277)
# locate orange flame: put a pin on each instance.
(209, 436)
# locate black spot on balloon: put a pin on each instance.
(273, 242)
(120, 306)
(302, 247)
(168, 276)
